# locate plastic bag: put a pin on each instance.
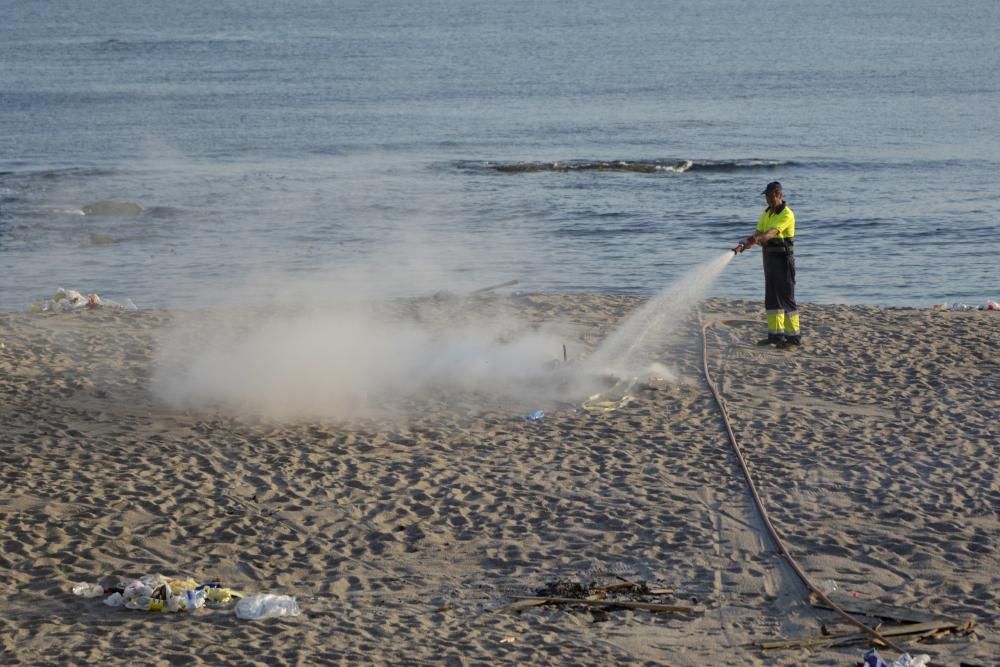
(265, 605)
(83, 589)
(115, 600)
(873, 659)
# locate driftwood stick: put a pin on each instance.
(481, 290)
(881, 610)
(518, 605)
(854, 637)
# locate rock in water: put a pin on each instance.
(113, 208)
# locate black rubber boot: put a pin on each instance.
(777, 340)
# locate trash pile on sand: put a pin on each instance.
(155, 592)
(600, 598)
(67, 300)
(989, 305)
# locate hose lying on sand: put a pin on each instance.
(779, 543)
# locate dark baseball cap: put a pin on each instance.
(773, 186)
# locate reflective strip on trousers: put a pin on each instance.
(792, 324)
(776, 321)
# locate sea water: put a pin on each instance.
(572, 146)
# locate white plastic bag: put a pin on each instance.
(873, 659)
(115, 600)
(86, 590)
(265, 605)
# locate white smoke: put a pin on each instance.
(371, 338)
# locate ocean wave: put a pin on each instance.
(637, 166)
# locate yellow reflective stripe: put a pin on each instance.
(776, 322)
(792, 324)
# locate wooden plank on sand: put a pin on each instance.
(518, 605)
(855, 637)
(879, 610)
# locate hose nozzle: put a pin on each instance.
(746, 243)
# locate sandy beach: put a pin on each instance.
(874, 447)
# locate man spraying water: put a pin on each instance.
(775, 234)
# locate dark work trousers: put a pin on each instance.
(779, 293)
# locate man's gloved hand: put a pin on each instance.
(745, 244)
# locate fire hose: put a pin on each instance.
(772, 531)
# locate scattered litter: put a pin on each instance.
(622, 594)
(220, 594)
(154, 592)
(66, 300)
(989, 305)
(508, 640)
(658, 374)
(535, 416)
(828, 586)
(265, 605)
(564, 589)
(83, 589)
(598, 404)
(613, 399)
(873, 659)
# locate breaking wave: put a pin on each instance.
(638, 166)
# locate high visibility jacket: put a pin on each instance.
(782, 219)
